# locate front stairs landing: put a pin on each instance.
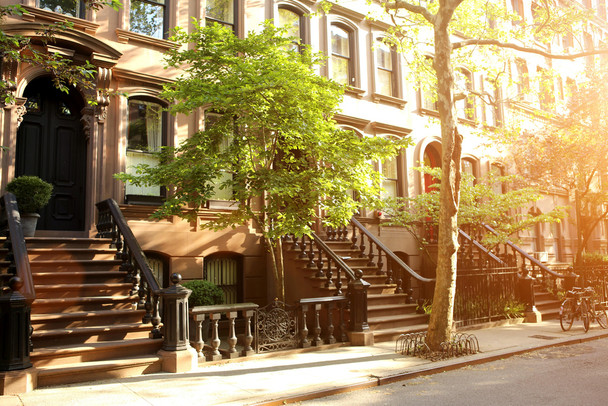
(85, 319)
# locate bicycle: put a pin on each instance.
(597, 313)
(575, 306)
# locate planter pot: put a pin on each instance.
(28, 223)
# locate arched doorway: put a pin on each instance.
(51, 144)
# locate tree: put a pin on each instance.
(453, 32)
(23, 50)
(571, 155)
(498, 201)
(269, 138)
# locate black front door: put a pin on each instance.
(51, 145)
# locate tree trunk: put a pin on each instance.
(276, 255)
(442, 315)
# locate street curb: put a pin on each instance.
(430, 370)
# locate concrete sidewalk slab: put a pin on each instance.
(293, 377)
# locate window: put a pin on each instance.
(497, 171)
(221, 12)
(469, 167)
(491, 103)
(148, 17)
(431, 159)
(385, 69)
(293, 22)
(546, 89)
(145, 136)
(71, 8)
(220, 193)
(464, 84)
(390, 182)
(522, 80)
(342, 64)
(225, 272)
(428, 93)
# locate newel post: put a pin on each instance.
(16, 376)
(176, 352)
(359, 333)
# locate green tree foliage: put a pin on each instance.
(570, 155)
(497, 201)
(274, 142)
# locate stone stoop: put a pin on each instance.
(546, 304)
(388, 314)
(85, 320)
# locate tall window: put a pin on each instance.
(148, 17)
(464, 85)
(342, 65)
(145, 135)
(293, 23)
(546, 91)
(431, 159)
(469, 166)
(385, 69)
(491, 103)
(390, 183)
(219, 192)
(221, 12)
(72, 8)
(225, 271)
(522, 80)
(496, 171)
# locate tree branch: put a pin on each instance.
(400, 4)
(468, 42)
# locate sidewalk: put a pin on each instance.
(293, 377)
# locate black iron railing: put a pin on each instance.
(112, 224)
(17, 291)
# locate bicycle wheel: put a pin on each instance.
(585, 316)
(566, 314)
(601, 317)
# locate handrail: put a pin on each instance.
(339, 261)
(130, 240)
(390, 254)
(17, 246)
(526, 255)
(482, 248)
(111, 223)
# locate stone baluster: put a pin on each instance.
(380, 264)
(311, 254)
(232, 351)
(338, 283)
(303, 247)
(155, 333)
(353, 238)
(371, 254)
(247, 348)
(198, 343)
(316, 340)
(304, 342)
(215, 339)
(329, 274)
(389, 272)
(362, 247)
(320, 264)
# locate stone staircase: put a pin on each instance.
(85, 321)
(546, 303)
(388, 314)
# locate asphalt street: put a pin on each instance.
(567, 375)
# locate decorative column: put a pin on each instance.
(176, 352)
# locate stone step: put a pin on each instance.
(89, 334)
(53, 321)
(61, 290)
(66, 242)
(396, 321)
(392, 334)
(86, 254)
(73, 265)
(77, 353)
(48, 277)
(390, 310)
(380, 299)
(98, 370)
(79, 304)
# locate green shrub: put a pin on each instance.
(594, 258)
(32, 193)
(204, 293)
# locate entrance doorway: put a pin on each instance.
(51, 145)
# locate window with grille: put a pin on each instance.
(225, 272)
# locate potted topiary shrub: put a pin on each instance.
(32, 194)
